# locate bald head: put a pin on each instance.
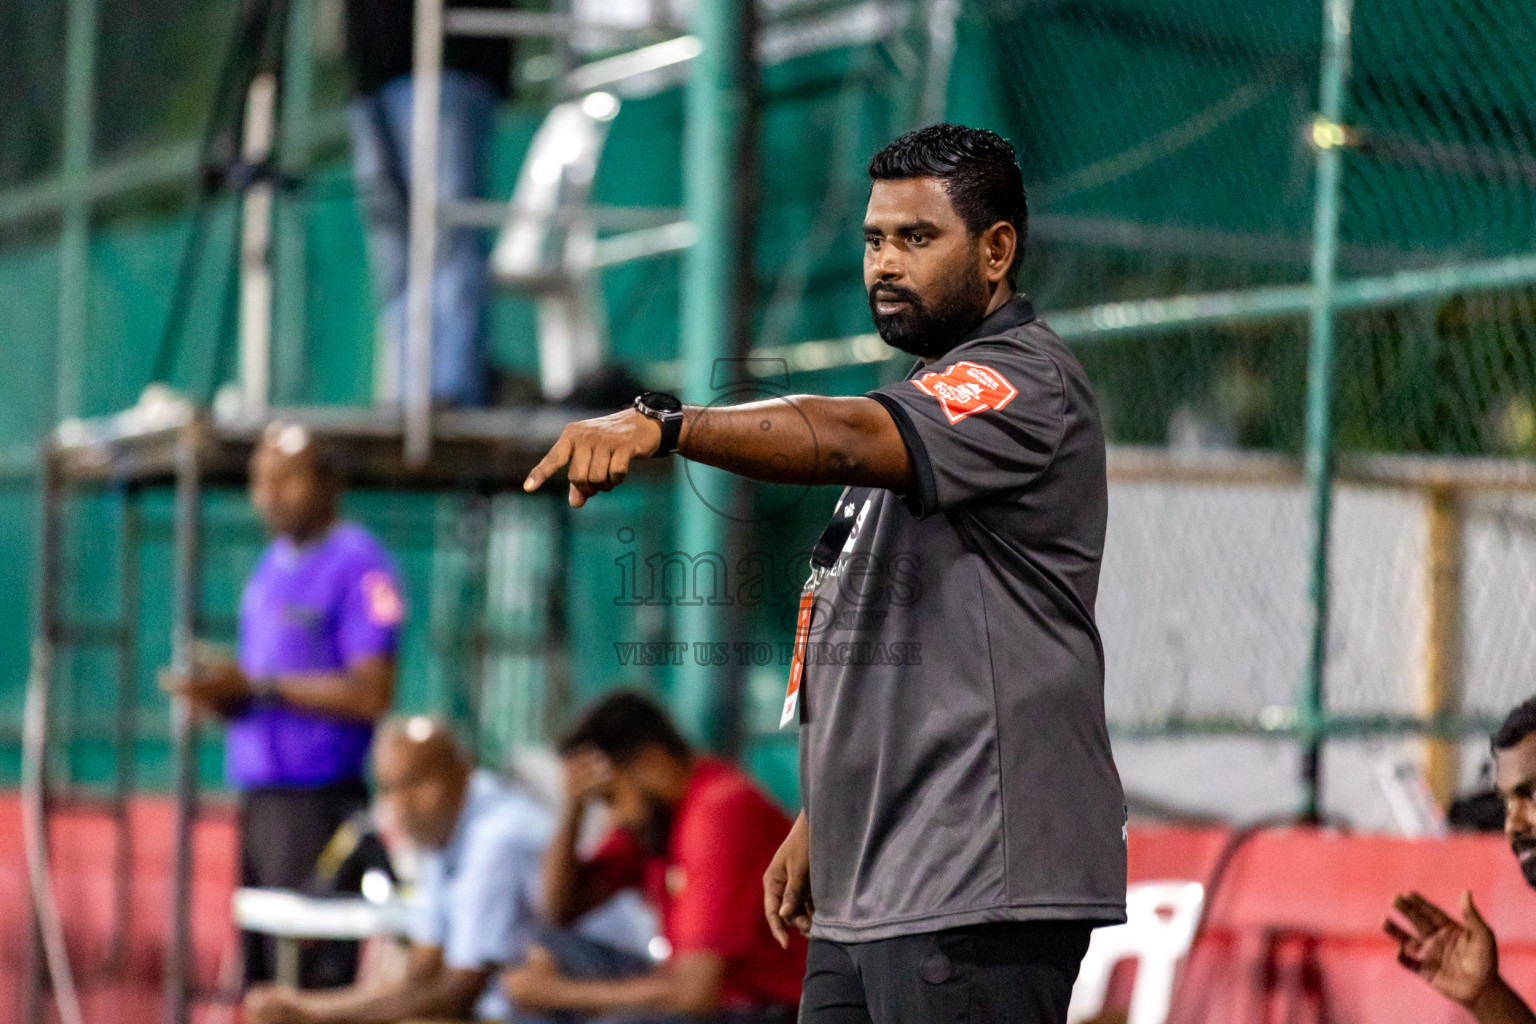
(292, 486)
(420, 743)
(422, 774)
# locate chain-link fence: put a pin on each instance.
(1178, 212)
(1172, 151)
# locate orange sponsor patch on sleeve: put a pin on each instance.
(965, 389)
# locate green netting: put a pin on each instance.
(1169, 151)
(162, 59)
(1444, 98)
(31, 89)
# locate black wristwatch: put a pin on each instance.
(666, 410)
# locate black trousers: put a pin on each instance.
(282, 833)
(1006, 973)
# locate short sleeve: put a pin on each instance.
(719, 905)
(429, 918)
(619, 862)
(371, 612)
(492, 917)
(988, 418)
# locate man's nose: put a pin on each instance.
(887, 264)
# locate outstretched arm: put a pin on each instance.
(802, 439)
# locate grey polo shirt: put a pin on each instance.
(954, 755)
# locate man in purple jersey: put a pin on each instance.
(319, 622)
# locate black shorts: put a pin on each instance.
(1014, 972)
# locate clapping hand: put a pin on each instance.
(1458, 958)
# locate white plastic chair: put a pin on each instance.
(1161, 918)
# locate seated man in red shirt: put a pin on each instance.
(695, 836)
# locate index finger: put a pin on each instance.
(778, 928)
(773, 898)
(557, 456)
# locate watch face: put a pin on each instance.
(661, 402)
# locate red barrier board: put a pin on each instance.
(1294, 931)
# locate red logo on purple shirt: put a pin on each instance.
(382, 598)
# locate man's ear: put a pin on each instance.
(998, 244)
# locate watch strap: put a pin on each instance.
(670, 420)
(671, 430)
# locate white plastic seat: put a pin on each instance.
(1161, 918)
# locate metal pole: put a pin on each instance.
(297, 109)
(477, 522)
(713, 142)
(74, 234)
(426, 91)
(255, 247)
(1441, 698)
(941, 16)
(126, 728)
(556, 698)
(184, 609)
(44, 644)
(69, 360)
(1329, 137)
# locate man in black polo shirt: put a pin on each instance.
(964, 823)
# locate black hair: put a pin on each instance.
(980, 171)
(621, 725)
(1517, 725)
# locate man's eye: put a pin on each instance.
(917, 238)
(872, 240)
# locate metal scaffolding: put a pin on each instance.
(481, 453)
(412, 448)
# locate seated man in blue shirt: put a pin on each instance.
(475, 908)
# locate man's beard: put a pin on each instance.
(928, 331)
(1527, 864)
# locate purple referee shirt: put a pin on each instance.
(320, 608)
